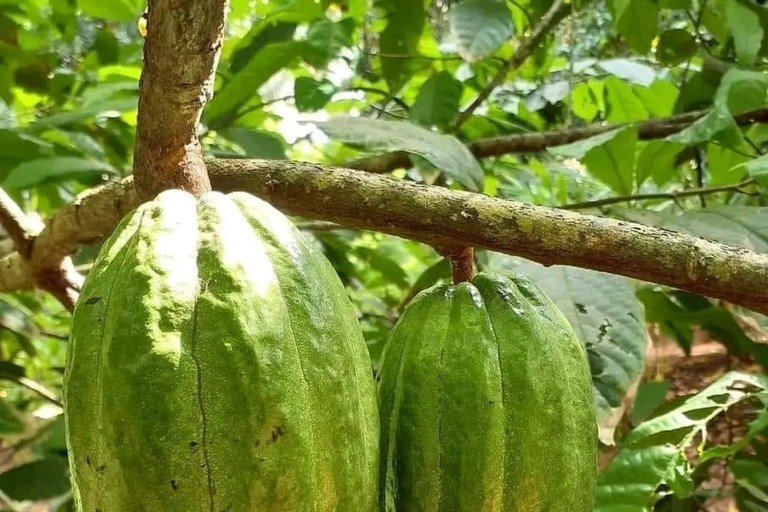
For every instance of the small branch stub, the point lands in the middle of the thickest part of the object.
(462, 262)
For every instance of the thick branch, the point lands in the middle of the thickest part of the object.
(559, 10)
(443, 217)
(60, 278)
(541, 141)
(17, 224)
(181, 53)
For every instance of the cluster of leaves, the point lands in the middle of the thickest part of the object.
(335, 81)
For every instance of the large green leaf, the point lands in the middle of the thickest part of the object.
(653, 454)
(657, 161)
(609, 320)
(245, 84)
(36, 481)
(679, 313)
(89, 112)
(746, 30)
(613, 163)
(445, 152)
(10, 423)
(479, 27)
(438, 100)
(742, 226)
(622, 103)
(114, 10)
(743, 90)
(400, 39)
(675, 46)
(609, 156)
(33, 173)
(637, 21)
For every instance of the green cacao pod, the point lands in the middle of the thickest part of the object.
(486, 404)
(216, 364)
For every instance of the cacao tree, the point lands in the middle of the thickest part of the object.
(612, 152)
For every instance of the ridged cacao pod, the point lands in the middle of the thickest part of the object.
(217, 365)
(486, 404)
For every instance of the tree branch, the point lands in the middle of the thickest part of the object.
(541, 141)
(443, 217)
(60, 278)
(181, 51)
(559, 10)
(738, 187)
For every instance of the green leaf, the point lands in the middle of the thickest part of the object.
(312, 95)
(741, 226)
(10, 423)
(637, 21)
(717, 124)
(20, 146)
(245, 84)
(107, 47)
(89, 112)
(746, 30)
(742, 90)
(650, 395)
(258, 144)
(679, 313)
(36, 481)
(659, 98)
(580, 148)
(480, 27)
(445, 152)
(613, 163)
(33, 173)
(295, 11)
(405, 24)
(608, 319)
(724, 164)
(657, 161)
(438, 100)
(622, 103)
(675, 46)
(583, 102)
(653, 454)
(259, 36)
(629, 70)
(326, 39)
(758, 169)
(114, 10)
(16, 320)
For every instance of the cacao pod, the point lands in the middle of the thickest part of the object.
(486, 404)
(216, 364)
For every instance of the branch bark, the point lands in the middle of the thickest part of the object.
(181, 52)
(541, 141)
(22, 270)
(445, 218)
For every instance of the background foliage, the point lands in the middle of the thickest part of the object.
(331, 82)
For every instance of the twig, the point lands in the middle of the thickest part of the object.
(662, 195)
(541, 141)
(559, 10)
(34, 386)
